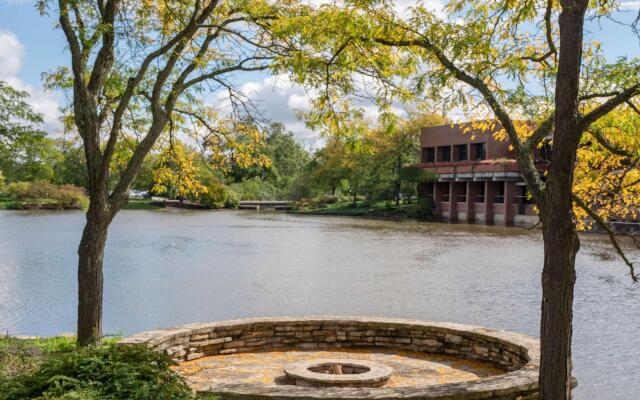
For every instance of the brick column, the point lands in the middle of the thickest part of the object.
(489, 194)
(509, 193)
(472, 192)
(453, 204)
(437, 210)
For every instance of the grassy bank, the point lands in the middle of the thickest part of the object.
(55, 369)
(9, 204)
(144, 204)
(366, 209)
(6, 203)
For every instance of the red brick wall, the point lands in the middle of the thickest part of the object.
(452, 135)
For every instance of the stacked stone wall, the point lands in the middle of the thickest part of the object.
(512, 352)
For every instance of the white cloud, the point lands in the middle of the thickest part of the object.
(630, 5)
(279, 100)
(11, 55)
(11, 61)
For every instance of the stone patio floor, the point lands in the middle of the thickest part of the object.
(266, 368)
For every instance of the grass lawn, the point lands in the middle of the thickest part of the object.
(144, 204)
(366, 209)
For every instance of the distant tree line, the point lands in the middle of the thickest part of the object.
(364, 163)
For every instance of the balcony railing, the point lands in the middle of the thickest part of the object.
(461, 198)
(479, 198)
(444, 198)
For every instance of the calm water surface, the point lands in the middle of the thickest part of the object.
(164, 268)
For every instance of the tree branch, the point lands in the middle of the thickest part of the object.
(238, 67)
(104, 59)
(134, 81)
(613, 148)
(633, 106)
(610, 233)
(606, 107)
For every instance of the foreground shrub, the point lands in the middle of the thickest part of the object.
(19, 356)
(106, 372)
(45, 195)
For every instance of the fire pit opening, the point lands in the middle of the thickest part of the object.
(339, 369)
(338, 372)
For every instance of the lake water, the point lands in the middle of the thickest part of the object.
(169, 267)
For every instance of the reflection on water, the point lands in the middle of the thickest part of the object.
(164, 268)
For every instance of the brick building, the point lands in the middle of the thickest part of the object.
(478, 179)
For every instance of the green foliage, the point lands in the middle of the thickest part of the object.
(417, 174)
(288, 157)
(369, 161)
(45, 195)
(424, 207)
(19, 124)
(286, 166)
(106, 372)
(71, 168)
(219, 196)
(255, 189)
(25, 151)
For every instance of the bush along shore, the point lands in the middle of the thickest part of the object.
(41, 195)
(55, 369)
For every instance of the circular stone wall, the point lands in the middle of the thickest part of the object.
(517, 355)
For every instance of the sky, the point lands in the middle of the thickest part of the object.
(30, 45)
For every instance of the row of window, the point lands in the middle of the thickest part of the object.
(480, 198)
(523, 196)
(461, 152)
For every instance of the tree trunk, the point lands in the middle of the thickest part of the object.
(561, 241)
(90, 280)
(561, 244)
(398, 183)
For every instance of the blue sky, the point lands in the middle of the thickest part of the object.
(30, 45)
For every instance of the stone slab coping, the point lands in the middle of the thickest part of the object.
(521, 383)
(377, 373)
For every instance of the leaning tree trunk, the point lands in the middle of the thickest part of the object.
(90, 280)
(561, 241)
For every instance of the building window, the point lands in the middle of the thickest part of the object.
(479, 151)
(480, 196)
(499, 198)
(461, 152)
(428, 154)
(445, 154)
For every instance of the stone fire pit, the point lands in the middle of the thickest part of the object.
(337, 373)
(380, 358)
